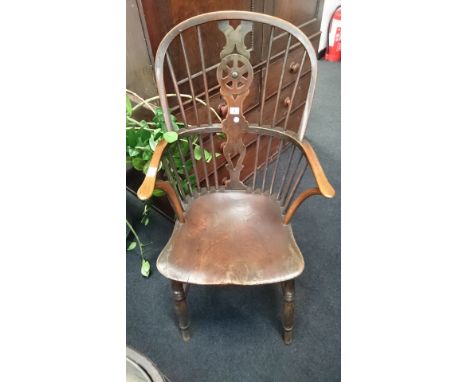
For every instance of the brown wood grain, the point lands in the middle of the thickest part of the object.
(298, 201)
(324, 185)
(222, 244)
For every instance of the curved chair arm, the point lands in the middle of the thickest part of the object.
(149, 184)
(298, 201)
(173, 199)
(324, 187)
(147, 187)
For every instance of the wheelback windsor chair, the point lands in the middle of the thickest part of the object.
(233, 232)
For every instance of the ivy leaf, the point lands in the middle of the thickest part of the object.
(132, 246)
(146, 220)
(177, 161)
(144, 135)
(129, 106)
(145, 267)
(138, 163)
(133, 152)
(157, 121)
(147, 154)
(184, 146)
(189, 165)
(158, 118)
(174, 123)
(208, 156)
(185, 186)
(152, 142)
(197, 152)
(158, 111)
(170, 136)
(157, 132)
(158, 193)
(131, 138)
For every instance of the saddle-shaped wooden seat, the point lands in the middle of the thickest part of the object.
(232, 237)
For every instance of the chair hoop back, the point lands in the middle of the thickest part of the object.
(222, 16)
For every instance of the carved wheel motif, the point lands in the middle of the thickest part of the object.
(235, 74)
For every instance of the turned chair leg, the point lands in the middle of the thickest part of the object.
(288, 310)
(180, 301)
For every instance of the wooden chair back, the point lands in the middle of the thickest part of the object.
(211, 149)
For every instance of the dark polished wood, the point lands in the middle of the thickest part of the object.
(296, 203)
(288, 310)
(181, 308)
(231, 237)
(173, 199)
(231, 232)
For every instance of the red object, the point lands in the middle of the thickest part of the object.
(333, 52)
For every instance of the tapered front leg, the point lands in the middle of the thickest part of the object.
(288, 310)
(181, 308)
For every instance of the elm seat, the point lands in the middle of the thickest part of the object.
(232, 237)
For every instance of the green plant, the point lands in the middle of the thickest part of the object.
(142, 137)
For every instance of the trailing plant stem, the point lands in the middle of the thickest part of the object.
(140, 246)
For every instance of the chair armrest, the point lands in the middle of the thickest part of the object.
(147, 187)
(173, 199)
(298, 201)
(324, 185)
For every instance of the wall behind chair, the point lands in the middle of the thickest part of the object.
(140, 76)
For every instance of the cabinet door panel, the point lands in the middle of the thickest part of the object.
(305, 14)
(296, 12)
